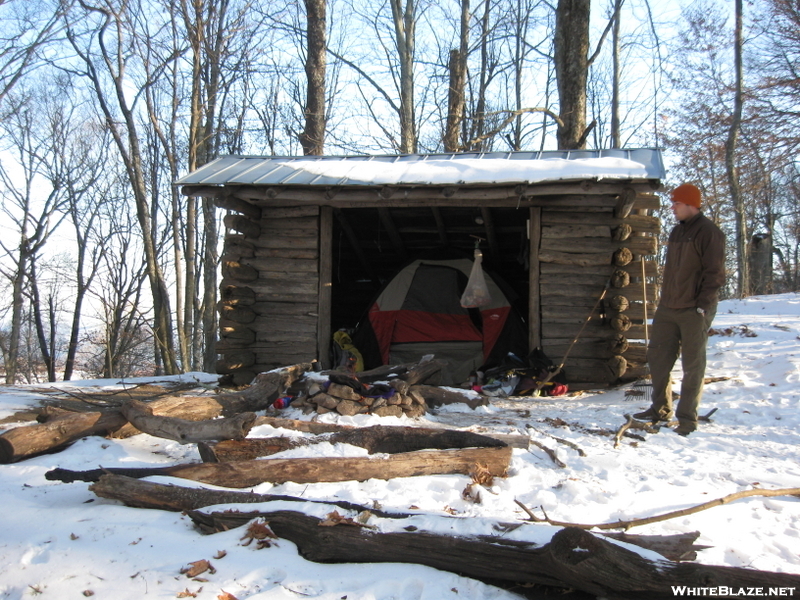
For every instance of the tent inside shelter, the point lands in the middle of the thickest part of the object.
(399, 274)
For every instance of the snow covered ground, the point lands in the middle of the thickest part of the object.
(60, 541)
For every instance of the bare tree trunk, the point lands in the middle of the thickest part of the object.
(572, 68)
(521, 31)
(38, 320)
(404, 26)
(17, 304)
(479, 126)
(127, 140)
(313, 136)
(458, 78)
(615, 122)
(742, 263)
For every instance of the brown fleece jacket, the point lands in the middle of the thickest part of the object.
(695, 268)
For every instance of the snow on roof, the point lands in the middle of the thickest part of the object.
(431, 169)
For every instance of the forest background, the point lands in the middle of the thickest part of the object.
(108, 271)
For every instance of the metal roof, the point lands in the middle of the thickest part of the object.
(430, 169)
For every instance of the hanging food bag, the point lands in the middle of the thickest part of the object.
(476, 294)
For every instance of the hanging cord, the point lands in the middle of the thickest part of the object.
(560, 367)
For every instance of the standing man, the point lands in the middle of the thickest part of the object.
(693, 274)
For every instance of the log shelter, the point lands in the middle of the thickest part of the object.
(310, 240)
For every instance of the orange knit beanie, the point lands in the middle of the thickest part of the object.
(686, 194)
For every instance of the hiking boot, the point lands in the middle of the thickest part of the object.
(652, 415)
(685, 429)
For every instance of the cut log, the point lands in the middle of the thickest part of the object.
(622, 232)
(28, 441)
(243, 225)
(622, 257)
(237, 247)
(234, 359)
(625, 203)
(264, 390)
(620, 278)
(574, 558)
(637, 245)
(380, 439)
(232, 332)
(381, 373)
(238, 271)
(146, 494)
(248, 473)
(242, 206)
(436, 396)
(424, 372)
(515, 441)
(184, 431)
(583, 260)
(238, 295)
(677, 547)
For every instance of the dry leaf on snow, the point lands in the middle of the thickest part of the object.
(258, 530)
(334, 518)
(197, 567)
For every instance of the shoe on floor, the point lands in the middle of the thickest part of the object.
(652, 415)
(685, 429)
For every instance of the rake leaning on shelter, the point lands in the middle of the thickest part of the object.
(693, 274)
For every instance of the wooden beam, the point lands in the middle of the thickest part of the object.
(325, 285)
(435, 195)
(248, 209)
(394, 236)
(534, 275)
(625, 203)
(488, 226)
(440, 225)
(244, 225)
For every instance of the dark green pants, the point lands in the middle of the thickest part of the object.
(679, 332)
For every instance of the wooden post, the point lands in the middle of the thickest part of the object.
(325, 285)
(534, 297)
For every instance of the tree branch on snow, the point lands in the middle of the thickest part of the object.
(667, 516)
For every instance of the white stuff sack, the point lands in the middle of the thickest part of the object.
(476, 294)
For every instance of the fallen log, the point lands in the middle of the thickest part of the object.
(677, 547)
(574, 558)
(436, 396)
(513, 440)
(57, 433)
(380, 439)
(248, 473)
(146, 494)
(185, 431)
(264, 390)
(428, 371)
(65, 428)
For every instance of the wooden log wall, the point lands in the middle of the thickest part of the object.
(269, 291)
(582, 250)
(585, 234)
